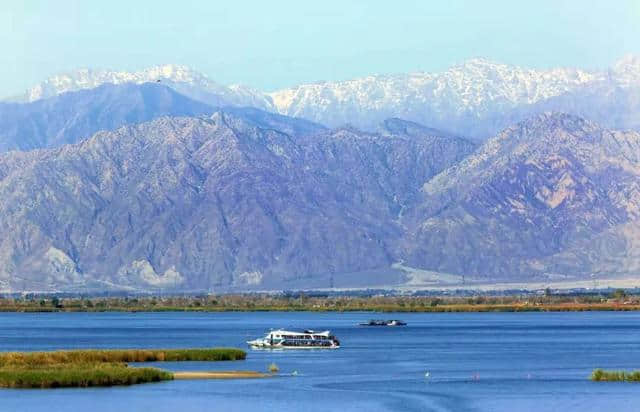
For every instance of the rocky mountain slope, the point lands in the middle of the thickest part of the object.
(554, 197)
(72, 116)
(238, 200)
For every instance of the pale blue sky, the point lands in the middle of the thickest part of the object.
(272, 44)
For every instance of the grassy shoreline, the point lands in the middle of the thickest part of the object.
(86, 368)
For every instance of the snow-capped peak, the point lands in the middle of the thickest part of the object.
(628, 62)
(475, 98)
(466, 92)
(627, 69)
(89, 78)
(182, 78)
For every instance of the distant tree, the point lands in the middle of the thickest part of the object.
(55, 302)
(619, 294)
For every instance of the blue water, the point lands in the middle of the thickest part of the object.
(476, 362)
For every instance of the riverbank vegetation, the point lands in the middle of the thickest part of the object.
(614, 301)
(84, 368)
(119, 355)
(78, 375)
(600, 375)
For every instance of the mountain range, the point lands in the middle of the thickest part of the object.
(181, 78)
(113, 180)
(213, 202)
(74, 116)
(477, 98)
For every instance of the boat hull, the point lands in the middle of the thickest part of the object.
(278, 347)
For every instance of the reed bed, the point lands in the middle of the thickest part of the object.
(84, 368)
(119, 355)
(600, 375)
(78, 375)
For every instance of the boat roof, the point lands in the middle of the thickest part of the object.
(306, 332)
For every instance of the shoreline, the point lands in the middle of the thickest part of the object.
(189, 375)
(547, 301)
(379, 309)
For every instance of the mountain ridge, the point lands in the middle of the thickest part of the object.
(476, 98)
(479, 97)
(182, 78)
(72, 116)
(239, 201)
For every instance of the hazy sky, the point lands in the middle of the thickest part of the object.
(271, 44)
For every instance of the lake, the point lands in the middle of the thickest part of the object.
(475, 361)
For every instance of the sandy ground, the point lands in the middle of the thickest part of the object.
(219, 375)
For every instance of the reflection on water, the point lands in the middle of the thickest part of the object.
(439, 362)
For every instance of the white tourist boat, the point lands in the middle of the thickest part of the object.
(284, 339)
